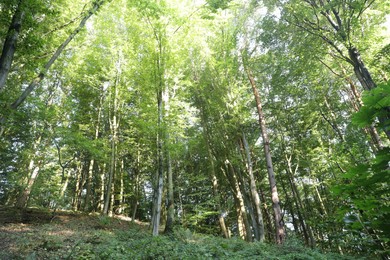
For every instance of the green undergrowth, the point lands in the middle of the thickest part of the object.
(75, 236)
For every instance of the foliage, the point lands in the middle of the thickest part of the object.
(366, 186)
(376, 105)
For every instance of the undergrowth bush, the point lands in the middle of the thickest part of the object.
(106, 238)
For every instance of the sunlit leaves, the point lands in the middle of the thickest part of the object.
(376, 104)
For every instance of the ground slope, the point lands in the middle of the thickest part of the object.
(39, 234)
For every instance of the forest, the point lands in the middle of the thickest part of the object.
(265, 121)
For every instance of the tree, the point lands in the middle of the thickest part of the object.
(338, 26)
(279, 225)
(95, 6)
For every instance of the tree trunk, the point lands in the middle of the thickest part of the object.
(246, 231)
(114, 124)
(157, 213)
(360, 69)
(290, 206)
(78, 188)
(33, 170)
(160, 175)
(160, 72)
(221, 217)
(24, 197)
(367, 82)
(371, 130)
(64, 175)
(307, 210)
(254, 193)
(170, 198)
(136, 186)
(102, 188)
(9, 47)
(307, 233)
(170, 206)
(298, 204)
(121, 199)
(89, 185)
(279, 226)
(107, 199)
(214, 179)
(266, 213)
(87, 205)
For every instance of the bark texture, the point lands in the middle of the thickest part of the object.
(9, 47)
(279, 225)
(254, 193)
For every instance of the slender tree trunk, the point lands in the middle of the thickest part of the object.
(306, 211)
(307, 233)
(240, 221)
(242, 183)
(9, 47)
(88, 201)
(112, 199)
(246, 231)
(109, 189)
(290, 207)
(325, 212)
(135, 203)
(160, 175)
(107, 199)
(159, 77)
(78, 187)
(64, 174)
(114, 123)
(102, 188)
(333, 121)
(214, 179)
(254, 193)
(65, 183)
(170, 206)
(221, 218)
(24, 197)
(353, 56)
(266, 213)
(136, 186)
(33, 170)
(170, 198)
(89, 185)
(157, 213)
(279, 226)
(121, 205)
(298, 204)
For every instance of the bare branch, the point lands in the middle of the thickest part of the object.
(329, 68)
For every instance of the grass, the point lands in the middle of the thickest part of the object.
(38, 234)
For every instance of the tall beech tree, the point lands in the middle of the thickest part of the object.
(279, 224)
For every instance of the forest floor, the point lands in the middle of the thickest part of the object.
(40, 234)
